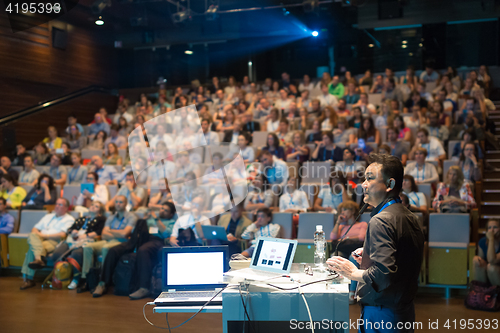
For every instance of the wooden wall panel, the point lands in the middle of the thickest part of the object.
(31, 71)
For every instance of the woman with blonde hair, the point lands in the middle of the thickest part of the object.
(328, 119)
(298, 151)
(112, 157)
(454, 195)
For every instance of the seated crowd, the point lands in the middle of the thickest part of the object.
(333, 121)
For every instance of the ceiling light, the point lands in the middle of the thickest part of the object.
(420, 44)
(188, 52)
(405, 42)
(181, 16)
(99, 21)
(404, 46)
(315, 33)
(250, 63)
(371, 45)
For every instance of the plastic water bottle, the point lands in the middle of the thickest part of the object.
(319, 253)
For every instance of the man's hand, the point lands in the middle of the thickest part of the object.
(174, 242)
(490, 236)
(231, 238)
(359, 252)
(129, 185)
(153, 215)
(87, 194)
(328, 209)
(342, 266)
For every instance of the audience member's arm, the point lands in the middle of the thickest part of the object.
(122, 233)
(106, 234)
(111, 203)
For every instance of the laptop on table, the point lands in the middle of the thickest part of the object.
(272, 258)
(212, 232)
(192, 275)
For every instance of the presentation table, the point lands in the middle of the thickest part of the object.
(271, 309)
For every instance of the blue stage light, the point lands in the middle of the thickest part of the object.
(315, 33)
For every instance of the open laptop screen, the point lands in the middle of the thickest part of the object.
(272, 255)
(194, 268)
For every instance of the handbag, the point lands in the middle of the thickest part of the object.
(483, 296)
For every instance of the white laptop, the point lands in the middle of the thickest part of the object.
(214, 232)
(192, 275)
(272, 258)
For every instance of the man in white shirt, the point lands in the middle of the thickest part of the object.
(122, 112)
(293, 200)
(435, 150)
(283, 103)
(44, 237)
(211, 138)
(326, 98)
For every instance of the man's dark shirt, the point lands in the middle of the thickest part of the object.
(392, 257)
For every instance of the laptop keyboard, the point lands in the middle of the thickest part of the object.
(191, 294)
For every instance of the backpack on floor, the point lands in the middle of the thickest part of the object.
(156, 282)
(62, 275)
(483, 296)
(124, 273)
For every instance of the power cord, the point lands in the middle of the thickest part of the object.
(168, 324)
(245, 308)
(306, 284)
(308, 310)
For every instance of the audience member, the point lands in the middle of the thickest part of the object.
(397, 148)
(243, 148)
(107, 173)
(273, 122)
(7, 169)
(293, 200)
(423, 172)
(273, 146)
(315, 136)
(435, 129)
(43, 239)
(86, 229)
(469, 163)
(404, 132)
(57, 171)
(259, 197)
(97, 142)
(21, 153)
(117, 229)
(329, 198)
(53, 142)
(486, 264)
(160, 229)
(353, 234)
(435, 150)
(235, 224)
(274, 169)
(10, 191)
(429, 75)
(185, 230)
(42, 156)
(211, 138)
(136, 195)
(336, 88)
(263, 227)
(378, 85)
(6, 220)
(100, 193)
(44, 193)
(350, 169)
(297, 151)
(416, 199)
(30, 175)
(454, 195)
(326, 150)
(78, 172)
(368, 132)
(99, 124)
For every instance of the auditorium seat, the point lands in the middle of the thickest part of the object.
(285, 222)
(4, 242)
(18, 245)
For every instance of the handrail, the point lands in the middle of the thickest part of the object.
(55, 101)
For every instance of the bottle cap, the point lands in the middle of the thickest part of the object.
(319, 228)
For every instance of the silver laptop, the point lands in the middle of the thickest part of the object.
(272, 258)
(192, 275)
(214, 232)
